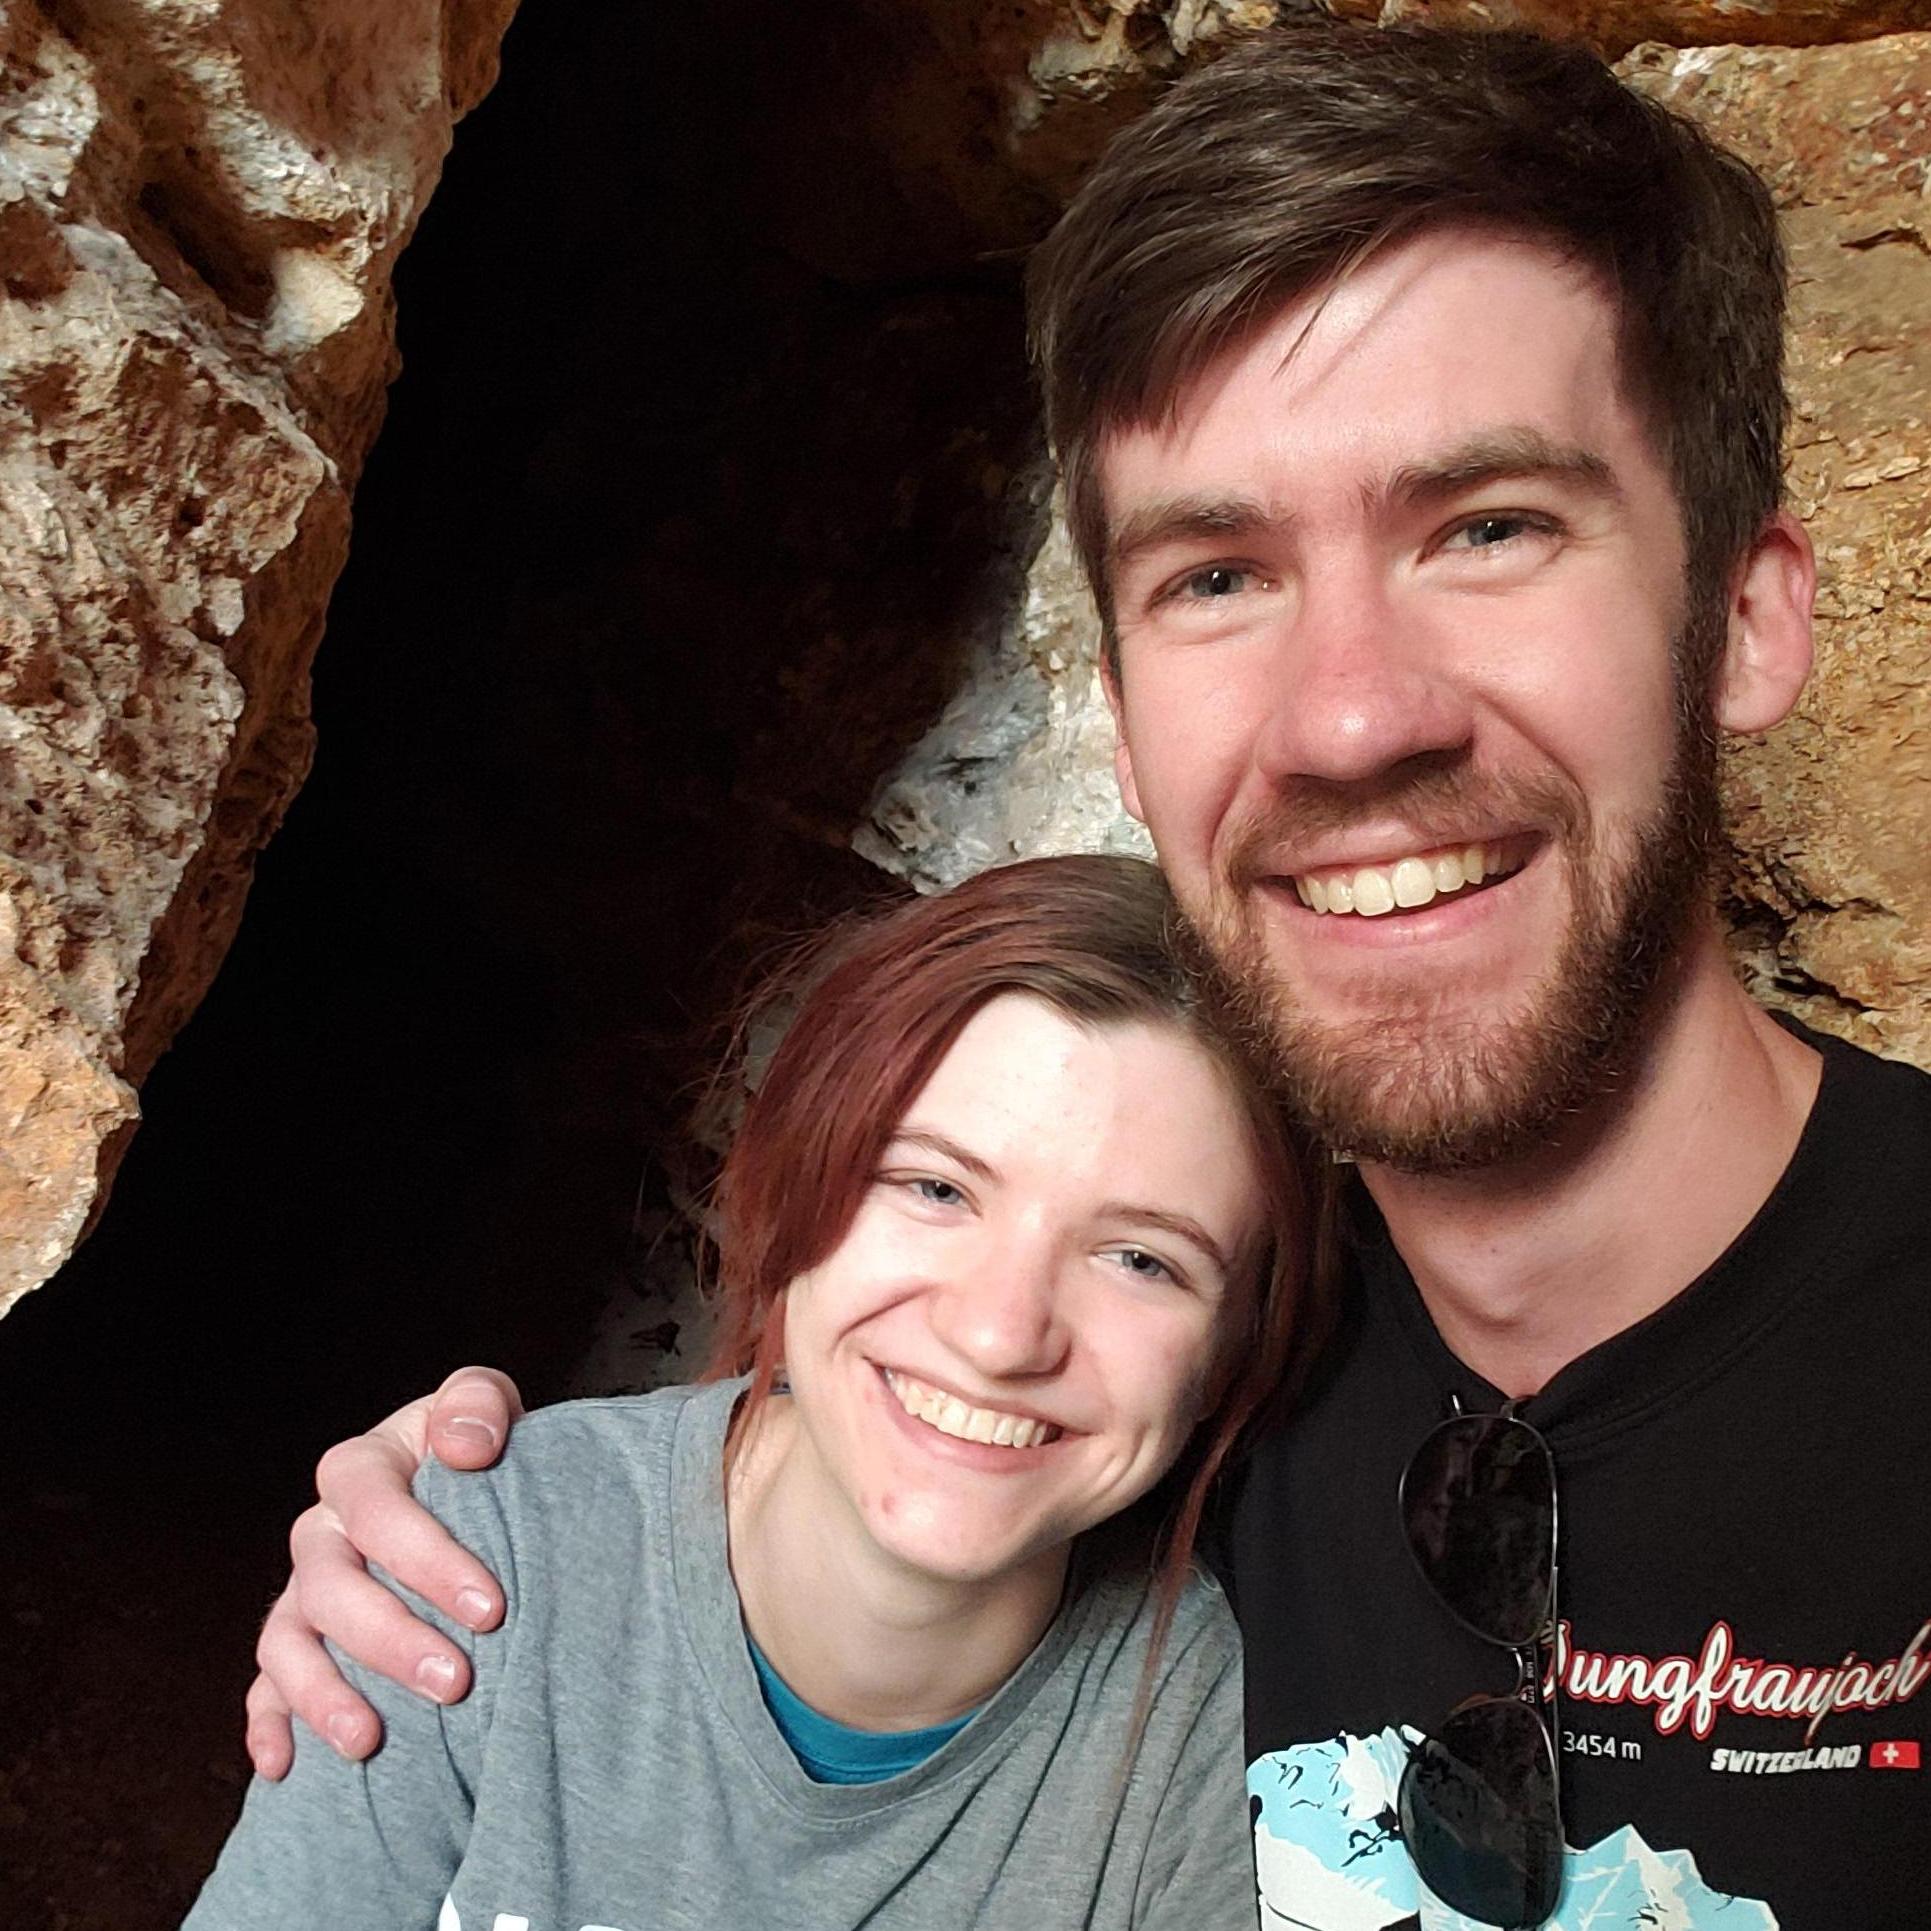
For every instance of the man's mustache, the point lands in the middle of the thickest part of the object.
(1435, 803)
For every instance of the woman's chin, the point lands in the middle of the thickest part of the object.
(937, 1544)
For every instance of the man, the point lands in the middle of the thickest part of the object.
(1419, 404)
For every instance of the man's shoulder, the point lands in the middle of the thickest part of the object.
(1880, 1068)
(1874, 1113)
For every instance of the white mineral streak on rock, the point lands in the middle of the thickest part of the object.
(200, 206)
(1021, 763)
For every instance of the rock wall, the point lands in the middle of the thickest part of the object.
(200, 207)
(1829, 894)
(1830, 889)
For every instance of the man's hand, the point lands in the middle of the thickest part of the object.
(367, 1514)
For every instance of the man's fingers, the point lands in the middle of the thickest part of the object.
(367, 1504)
(470, 1415)
(299, 1675)
(271, 1742)
(332, 1595)
(367, 1511)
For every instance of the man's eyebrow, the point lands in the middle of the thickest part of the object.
(1182, 519)
(1501, 456)
(1182, 1226)
(945, 1149)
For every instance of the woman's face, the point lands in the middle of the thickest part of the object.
(1023, 1323)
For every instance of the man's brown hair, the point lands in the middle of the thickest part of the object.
(1267, 175)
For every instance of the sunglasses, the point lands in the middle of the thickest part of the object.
(1479, 1804)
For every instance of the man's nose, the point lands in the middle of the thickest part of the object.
(1002, 1312)
(1360, 682)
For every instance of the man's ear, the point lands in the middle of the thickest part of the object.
(1122, 756)
(1767, 653)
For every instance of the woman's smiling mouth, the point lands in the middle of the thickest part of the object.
(951, 1416)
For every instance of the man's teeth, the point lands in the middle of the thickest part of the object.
(951, 1416)
(1372, 890)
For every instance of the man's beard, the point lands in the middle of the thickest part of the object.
(1415, 1086)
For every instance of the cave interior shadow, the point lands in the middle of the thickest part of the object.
(683, 524)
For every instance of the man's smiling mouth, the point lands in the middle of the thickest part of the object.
(951, 1416)
(1408, 883)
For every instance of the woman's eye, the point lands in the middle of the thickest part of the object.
(941, 1193)
(1136, 1260)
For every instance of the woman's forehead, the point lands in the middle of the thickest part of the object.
(1035, 1095)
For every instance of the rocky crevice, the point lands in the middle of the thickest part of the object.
(199, 214)
(200, 211)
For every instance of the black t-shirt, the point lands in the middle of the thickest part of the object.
(1742, 1484)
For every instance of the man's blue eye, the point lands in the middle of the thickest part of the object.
(1487, 531)
(1222, 580)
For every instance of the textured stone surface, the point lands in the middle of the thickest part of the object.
(200, 206)
(1617, 25)
(1021, 763)
(994, 99)
(1830, 894)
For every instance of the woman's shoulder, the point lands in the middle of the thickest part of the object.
(1204, 1619)
(1202, 1640)
(578, 1458)
(618, 1425)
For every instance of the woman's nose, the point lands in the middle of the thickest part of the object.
(1002, 1311)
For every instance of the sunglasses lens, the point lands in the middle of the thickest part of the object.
(1479, 1505)
(1478, 1814)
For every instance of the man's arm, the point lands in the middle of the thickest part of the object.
(367, 1513)
(377, 1843)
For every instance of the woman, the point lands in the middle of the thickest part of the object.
(898, 1625)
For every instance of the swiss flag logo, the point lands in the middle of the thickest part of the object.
(1894, 1756)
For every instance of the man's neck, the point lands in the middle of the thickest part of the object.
(1528, 1265)
(860, 1637)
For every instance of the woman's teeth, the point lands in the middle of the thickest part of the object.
(1371, 890)
(950, 1416)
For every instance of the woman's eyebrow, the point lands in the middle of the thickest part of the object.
(946, 1149)
(1182, 1226)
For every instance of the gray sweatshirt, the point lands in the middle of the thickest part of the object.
(615, 1768)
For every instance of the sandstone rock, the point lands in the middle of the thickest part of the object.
(990, 99)
(1614, 26)
(200, 207)
(1068, 75)
(1830, 893)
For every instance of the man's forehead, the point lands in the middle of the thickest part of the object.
(1433, 346)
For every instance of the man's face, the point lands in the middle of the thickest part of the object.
(1396, 593)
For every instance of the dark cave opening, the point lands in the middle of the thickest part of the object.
(692, 497)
